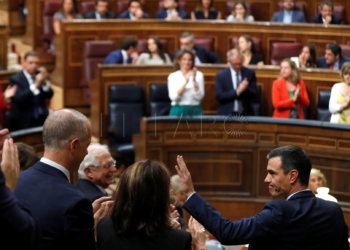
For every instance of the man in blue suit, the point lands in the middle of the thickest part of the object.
(326, 14)
(289, 14)
(333, 58)
(127, 53)
(18, 230)
(302, 221)
(100, 12)
(236, 87)
(96, 172)
(135, 11)
(171, 11)
(64, 215)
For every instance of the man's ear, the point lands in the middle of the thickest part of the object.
(88, 173)
(293, 176)
(73, 145)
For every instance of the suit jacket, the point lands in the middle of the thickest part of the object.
(126, 15)
(297, 16)
(302, 222)
(115, 57)
(18, 227)
(170, 239)
(89, 190)
(283, 103)
(226, 95)
(204, 55)
(162, 14)
(22, 105)
(92, 15)
(64, 215)
(318, 19)
(321, 62)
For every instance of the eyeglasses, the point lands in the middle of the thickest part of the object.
(108, 164)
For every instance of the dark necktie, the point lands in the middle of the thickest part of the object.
(129, 60)
(36, 113)
(240, 106)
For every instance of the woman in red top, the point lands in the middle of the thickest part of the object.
(289, 93)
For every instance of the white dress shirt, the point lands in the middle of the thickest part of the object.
(235, 84)
(125, 57)
(287, 16)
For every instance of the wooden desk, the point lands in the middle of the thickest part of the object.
(229, 171)
(3, 45)
(315, 80)
(68, 72)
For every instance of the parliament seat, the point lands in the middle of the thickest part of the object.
(298, 6)
(159, 101)
(256, 43)
(87, 7)
(230, 5)
(280, 51)
(339, 11)
(142, 45)
(49, 9)
(207, 43)
(345, 50)
(323, 113)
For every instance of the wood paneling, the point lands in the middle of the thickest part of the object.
(3, 45)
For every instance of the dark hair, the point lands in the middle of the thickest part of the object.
(241, 2)
(326, 2)
(128, 42)
(74, 10)
(345, 69)
(142, 199)
(180, 54)
(335, 48)
(199, 6)
(137, 1)
(311, 63)
(26, 155)
(293, 157)
(248, 38)
(96, 2)
(30, 53)
(160, 49)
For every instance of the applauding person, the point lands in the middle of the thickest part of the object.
(240, 13)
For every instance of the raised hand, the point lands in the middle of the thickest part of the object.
(10, 163)
(185, 176)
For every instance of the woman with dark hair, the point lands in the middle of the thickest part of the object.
(246, 46)
(155, 53)
(185, 86)
(306, 58)
(68, 11)
(240, 13)
(205, 10)
(289, 94)
(140, 217)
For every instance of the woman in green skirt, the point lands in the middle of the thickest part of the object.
(185, 86)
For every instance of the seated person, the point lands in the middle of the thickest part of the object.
(100, 12)
(127, 54)
(134, 11)
(339, 102)
(289, 93)
(185, 86)
(29, 103)
(175, 186)
(317, 179)
(246, 46)
(68, 11)
(171, 11)
(289, 14)
(26, 155)
(306, 58)
(201, 54)
(326, 14)
(205, 10)
(240, 13)
(96, 172)
(235, 86)
(332, 58)
(155, 53)
(5, 102)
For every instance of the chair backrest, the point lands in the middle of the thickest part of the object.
(207, 43)
(121, 7)
(125, 110)
(280, 51)
(87, 7)
(49, 9)
(230, 5)
(142, 45)
(159, 102)
(182, 5)
(323, 113)
(345, 49)
(94, 53)
(297, 6)
(256, 43)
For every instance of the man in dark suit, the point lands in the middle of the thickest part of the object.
(28, 105)
(171, 11)
(201, 54)
(127, 53)
(326, 14)
(333, 58)
(100, 12)
(236, 87)
(96, 172)
(64, 215)
(135, 11)
(289, 14)
(18, 229)
(302, 221)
